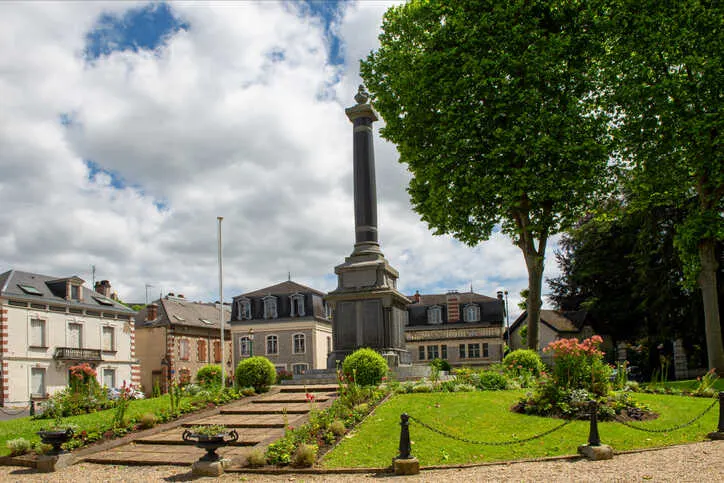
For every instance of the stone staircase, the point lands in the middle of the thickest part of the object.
(259, 420)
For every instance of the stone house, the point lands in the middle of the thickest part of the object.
(48, 324)
(176, 337)
(554, 324)
(288, 323)
(466, 329)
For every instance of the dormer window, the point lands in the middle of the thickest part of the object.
(244, 307)
(297, 303)
(270, 307)
(471, 313)
(75, 292)
(434, 315)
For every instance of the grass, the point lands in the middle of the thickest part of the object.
(94, 422)
(486, 416)
(688, 385)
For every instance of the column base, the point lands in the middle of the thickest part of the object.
(718, 435)
(596, 453)
(410, 466)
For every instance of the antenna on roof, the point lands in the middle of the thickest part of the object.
(289, 274)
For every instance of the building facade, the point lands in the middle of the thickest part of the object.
(176, 337)
(48, 324)
(288, 323)
(554, 325)
(465, 329)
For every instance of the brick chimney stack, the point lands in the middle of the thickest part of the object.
(151, 312)
(103, 287)
(453, 309)
(416, 297)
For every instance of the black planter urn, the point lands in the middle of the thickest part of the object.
(210, 442)
(55, 438)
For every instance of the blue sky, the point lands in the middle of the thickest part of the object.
(128, 129)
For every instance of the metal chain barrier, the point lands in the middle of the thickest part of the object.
(489, 443)
(673, 428)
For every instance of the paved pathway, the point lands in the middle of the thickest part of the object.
(258, 420)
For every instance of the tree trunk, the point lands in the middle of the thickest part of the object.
(534, 263)
(712, 323)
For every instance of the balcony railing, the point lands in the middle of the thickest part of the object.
(75, 354)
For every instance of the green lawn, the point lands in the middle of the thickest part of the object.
(99, 422)
(691, 384)
(486, 416)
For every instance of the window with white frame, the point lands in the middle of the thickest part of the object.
(184, 350)
(108, 339)
(109, 377)
(270, 307)
(299, 344)
(272, 344)
(432, 352)
(245, 346)
(37, 333)
(471, 313)
(244, 306)
(297, 303)
(473, 351)
(37, 381)
(434, 315)
(75, 335)
(299, 369)
(461, 354)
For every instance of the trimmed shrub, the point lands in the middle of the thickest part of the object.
(523, 362)
(337, 427)
(367, 367)
(305, 456)
(148, 420)
(441, 364)
(492, 381)
(257, 372)
(209, 376)
(18, 446)
(256, 458)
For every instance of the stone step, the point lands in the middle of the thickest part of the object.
(291, 398)
(312, 387)
(247, 420)
(180, 455)
(269, 408)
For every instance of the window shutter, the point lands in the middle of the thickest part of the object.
(217, 351)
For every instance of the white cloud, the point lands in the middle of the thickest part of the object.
(241, 116)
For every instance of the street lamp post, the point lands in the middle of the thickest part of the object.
(221, 309)
(507, 317)
(251, 342)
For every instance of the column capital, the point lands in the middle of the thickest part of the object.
(361, 111)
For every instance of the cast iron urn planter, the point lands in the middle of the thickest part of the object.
(210, 442)
(55, 438)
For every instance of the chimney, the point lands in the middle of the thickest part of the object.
(416, 297)
(151, 312)
(453, 309)
(103, 287)
(500, 295)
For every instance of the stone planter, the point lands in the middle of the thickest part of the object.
(55, 438)
(210, 442)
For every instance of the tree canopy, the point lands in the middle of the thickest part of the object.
(664, 67)
(491, 107)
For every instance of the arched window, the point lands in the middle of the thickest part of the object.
(471, 313)
(297, 303)
(272, 344)
(299, 344)
(270, 307)
(434, 315)
(244, 307)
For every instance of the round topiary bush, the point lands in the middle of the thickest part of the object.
(209, 376)
(523, 361)
(367, 366)
(492, 381)
(257, 372)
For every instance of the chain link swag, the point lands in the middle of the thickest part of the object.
(489, 443)
(673, 428)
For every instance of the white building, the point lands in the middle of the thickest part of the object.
(49, 324)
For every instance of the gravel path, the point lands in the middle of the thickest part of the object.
(700, 462)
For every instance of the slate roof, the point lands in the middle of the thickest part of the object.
(558, 320)
(176, 311)
(52, 290)
(284, 288)
(491, 310)
(441, 299)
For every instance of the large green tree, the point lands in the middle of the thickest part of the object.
(489, 104)
(666, 82)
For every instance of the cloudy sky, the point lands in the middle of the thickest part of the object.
(127, 128)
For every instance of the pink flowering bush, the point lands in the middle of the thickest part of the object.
(580, 365)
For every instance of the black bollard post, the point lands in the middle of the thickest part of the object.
(32, 407)
(404, 437)
(593, 438)
(719, 433)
